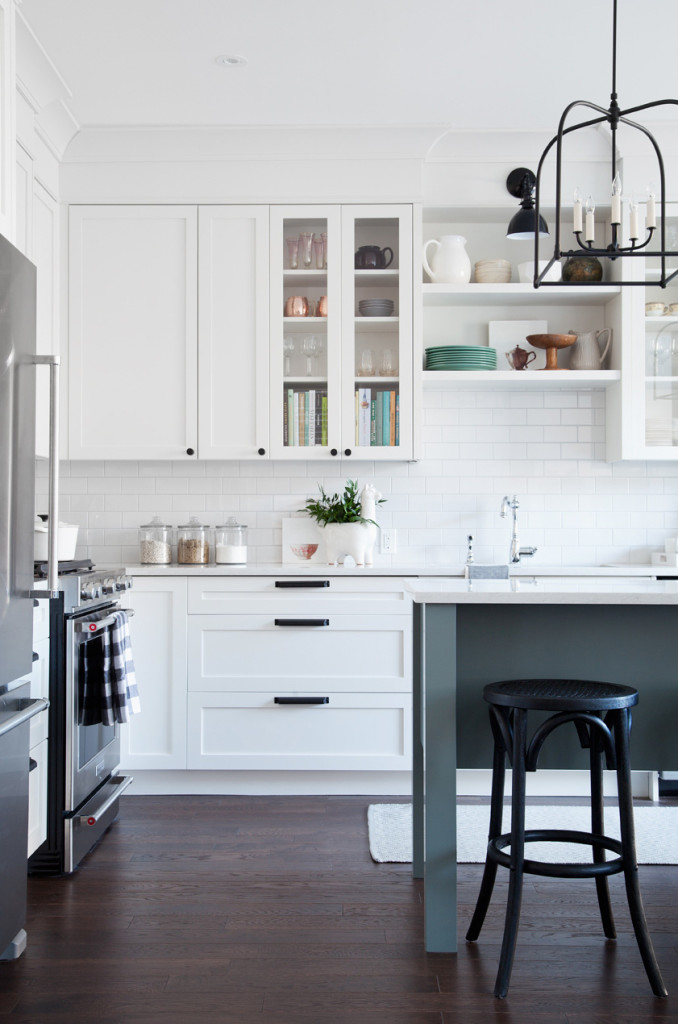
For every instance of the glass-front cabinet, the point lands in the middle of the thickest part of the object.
(341, 332)
(648, 398)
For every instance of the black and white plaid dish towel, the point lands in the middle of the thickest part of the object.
(119, 676)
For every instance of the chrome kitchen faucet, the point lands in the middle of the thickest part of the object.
(515, 551)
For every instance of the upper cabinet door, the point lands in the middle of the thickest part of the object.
(133, 332)
(233, 407)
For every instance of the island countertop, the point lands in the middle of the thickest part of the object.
(515, 591)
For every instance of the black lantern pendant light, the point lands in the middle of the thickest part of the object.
(635, 246)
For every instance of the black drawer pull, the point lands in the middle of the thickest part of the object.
(32, 764)
(301, 700)
(302, 622)
(289, 584)
(36, 657)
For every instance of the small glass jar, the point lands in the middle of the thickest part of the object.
(193, 546)
(231, 543)
(155, 543)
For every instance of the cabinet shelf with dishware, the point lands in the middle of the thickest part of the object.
(349, 331)
(644, 424)
(492, 307)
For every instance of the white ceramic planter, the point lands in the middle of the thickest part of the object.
(354, 539)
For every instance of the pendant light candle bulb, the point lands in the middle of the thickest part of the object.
(650, 211)
(633, 222)
(590, 223)
(576, 210)
(616, 200)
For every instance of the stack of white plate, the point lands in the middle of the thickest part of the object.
(493, 271)
(375, 307)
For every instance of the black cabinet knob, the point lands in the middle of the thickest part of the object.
(261, 451)
(333, 451)
(190, 451)
(347, 451)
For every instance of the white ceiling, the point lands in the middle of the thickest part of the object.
(476, 64)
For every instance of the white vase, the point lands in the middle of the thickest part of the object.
(354, 539)
(450, 263)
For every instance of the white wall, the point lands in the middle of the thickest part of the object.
(547, 447)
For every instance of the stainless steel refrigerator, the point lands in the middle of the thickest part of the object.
(17, 507)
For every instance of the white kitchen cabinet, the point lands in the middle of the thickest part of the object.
(39, 731)
(233, 394)
(169, 320)
(643, 407)
(133, 332)
(326, 365)
(37, 236)
(156, 737)
(344, 644)
(7, 117)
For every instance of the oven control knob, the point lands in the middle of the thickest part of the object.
(87, 592)
(108, 586)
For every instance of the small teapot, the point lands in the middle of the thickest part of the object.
(519, 358)
(585, 353)
(371, 257)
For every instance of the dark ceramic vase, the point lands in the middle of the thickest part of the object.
(583, 269)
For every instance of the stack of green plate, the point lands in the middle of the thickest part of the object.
(461, 357)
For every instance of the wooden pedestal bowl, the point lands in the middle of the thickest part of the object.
(551, 343)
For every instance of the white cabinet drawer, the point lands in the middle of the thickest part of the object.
(351, 731)
(240, 595)
(37, 797)
(354, 653)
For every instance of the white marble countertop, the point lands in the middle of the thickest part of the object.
(447, 571)
(593, 590)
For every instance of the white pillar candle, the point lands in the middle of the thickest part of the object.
(650, 213)
(590, 224)
(616, 217)
(576, 211)
(633, 221)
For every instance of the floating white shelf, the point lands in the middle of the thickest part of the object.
(376, 323)
(516, 294)
(537, 379)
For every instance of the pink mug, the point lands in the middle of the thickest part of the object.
(322, 306)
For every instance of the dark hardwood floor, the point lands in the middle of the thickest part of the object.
(269, 909)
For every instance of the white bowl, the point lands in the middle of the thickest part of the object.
(493, 276)
(526, 271)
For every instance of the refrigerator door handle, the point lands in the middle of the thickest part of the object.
(28, 710)
(53, 471)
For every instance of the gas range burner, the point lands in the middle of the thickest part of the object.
(77, 566)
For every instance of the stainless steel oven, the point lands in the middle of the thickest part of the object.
(84, 782)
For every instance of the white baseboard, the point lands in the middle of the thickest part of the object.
(470, 782)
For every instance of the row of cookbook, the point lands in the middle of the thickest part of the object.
(377, 417)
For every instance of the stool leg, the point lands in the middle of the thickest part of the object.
(515, 893)
(598, 827)
(622, 728)
(496, 809)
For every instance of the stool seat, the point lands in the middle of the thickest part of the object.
(601, 713)
(560, 695)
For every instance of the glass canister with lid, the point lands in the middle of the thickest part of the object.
(155, 542)
(231, 543)
(193, 546)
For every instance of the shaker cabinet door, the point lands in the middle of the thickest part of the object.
(133, 332)
(233, 396)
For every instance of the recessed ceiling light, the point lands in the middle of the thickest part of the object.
(230, 60)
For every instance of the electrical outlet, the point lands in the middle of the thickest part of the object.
(388, 544)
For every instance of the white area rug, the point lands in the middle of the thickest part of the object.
(390, 832)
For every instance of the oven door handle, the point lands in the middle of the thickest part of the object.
(96, 625)
(121, 784)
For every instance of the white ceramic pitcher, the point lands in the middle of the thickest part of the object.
(585, 353)
(451, 263)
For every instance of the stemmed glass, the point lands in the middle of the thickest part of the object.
(288, 349)
(311, 349)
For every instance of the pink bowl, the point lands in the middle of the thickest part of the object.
(304, 550)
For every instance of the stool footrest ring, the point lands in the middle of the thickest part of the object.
(495, 852)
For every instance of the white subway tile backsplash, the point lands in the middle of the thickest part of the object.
(546, 447)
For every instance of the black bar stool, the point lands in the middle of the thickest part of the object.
(601, 713)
